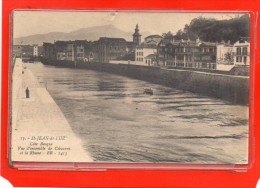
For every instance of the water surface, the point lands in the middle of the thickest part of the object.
(117, 122)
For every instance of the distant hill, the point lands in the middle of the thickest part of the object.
(91, 33)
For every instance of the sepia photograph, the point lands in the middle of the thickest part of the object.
(129, 87)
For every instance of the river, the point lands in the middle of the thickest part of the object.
(117, 122)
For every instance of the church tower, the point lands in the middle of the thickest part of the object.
(137, 36)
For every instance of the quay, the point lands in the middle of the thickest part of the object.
(39, 130)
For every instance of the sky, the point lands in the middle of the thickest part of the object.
(27, 23)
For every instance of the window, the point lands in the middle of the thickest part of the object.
(245, 51)
(239, 59)
(238, 51)
(244, 60)
(180, 57)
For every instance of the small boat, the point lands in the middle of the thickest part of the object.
(148, 91)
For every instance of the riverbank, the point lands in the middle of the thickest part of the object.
(234, 89)
(40, 132)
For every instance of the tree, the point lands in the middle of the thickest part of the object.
(229, 58)
(168, 36)
(212, 30)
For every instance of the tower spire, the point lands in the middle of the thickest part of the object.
(137, 36)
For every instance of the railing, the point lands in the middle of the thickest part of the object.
(198, 65)
(242, 54)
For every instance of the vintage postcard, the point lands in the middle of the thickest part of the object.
(129, 87)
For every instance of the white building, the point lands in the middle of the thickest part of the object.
(225, 54)
(242, 52)
(35, 51)
(150, 60)
(143, 51)
(224, 57)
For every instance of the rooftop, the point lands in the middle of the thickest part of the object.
(208, 44)
(145, 45)
(111, 40)
(153, 36)
(150, 56)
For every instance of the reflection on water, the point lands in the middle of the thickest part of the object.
(119, 123)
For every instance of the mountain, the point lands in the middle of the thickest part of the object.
(91, 33)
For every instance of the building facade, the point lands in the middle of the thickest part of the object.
(150, 60)
(208, 55)
(225, 54)
(79, 50)
(106, 49)
(242, 52)
(17, 50)
(35, 51)
(70, 51)
(60, 49)
(49, 51)
(142, 52)
(186, 53)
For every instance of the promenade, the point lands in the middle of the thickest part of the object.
(40, 132)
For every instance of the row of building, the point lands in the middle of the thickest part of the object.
(103, 50)
(27, 51)
(199, 54)
(153, 51)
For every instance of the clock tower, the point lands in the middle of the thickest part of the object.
(137, 36)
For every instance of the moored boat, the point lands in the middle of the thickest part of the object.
(148, 91)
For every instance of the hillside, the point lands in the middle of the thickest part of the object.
(91, 33)
(213, 30)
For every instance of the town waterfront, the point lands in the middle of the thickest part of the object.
(117, 122)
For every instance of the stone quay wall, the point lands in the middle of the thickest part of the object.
(234, 89)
